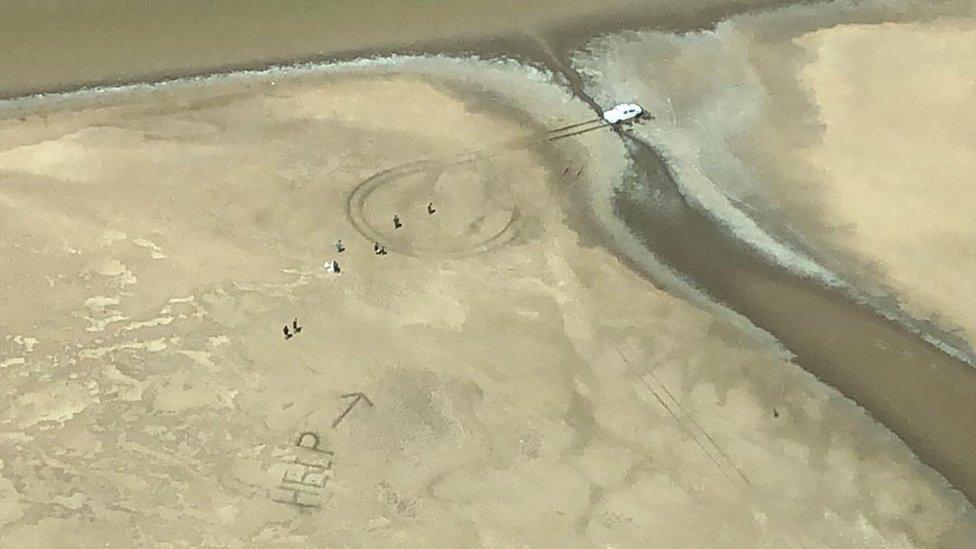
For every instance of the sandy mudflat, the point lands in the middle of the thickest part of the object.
(896, 162)
(526, 389)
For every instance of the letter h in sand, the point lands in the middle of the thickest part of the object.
(305, 475)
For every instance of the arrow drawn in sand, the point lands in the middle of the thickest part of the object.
(356, 397)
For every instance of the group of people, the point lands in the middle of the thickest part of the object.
(332, 265)
(295, 329)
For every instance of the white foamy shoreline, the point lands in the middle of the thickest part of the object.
(268, 74)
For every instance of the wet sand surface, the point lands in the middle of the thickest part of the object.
(895, 176)
(870, 360)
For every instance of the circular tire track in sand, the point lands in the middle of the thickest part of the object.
(491, 227)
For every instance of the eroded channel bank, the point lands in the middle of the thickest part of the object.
(65, 46)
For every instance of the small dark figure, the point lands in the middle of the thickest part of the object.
(775, 413)
(287, 335)
(295, 326)
(376, 247)
(335, 267)
(430, 208)
(382, 250)
(339, 247)
(396, 222)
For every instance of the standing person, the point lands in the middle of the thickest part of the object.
(396, 221)
(376, 247)
(430, 208)
(287, 335)
(339, 247)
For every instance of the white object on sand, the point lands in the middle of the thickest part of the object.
(622, 113)
(331, 266)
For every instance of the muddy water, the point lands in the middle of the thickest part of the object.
(51, 45)
(926, 397)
